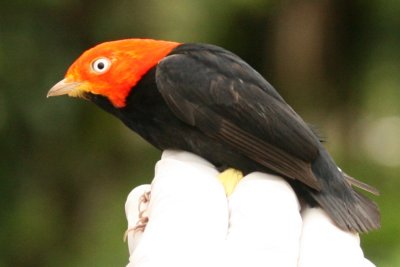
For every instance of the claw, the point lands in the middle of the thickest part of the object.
(143, 220)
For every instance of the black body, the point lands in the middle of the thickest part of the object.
(206, 100)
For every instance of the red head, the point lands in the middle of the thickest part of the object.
(111, 69)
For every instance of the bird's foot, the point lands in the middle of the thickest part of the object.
(229, 179)
(142, 206)
(143, 219)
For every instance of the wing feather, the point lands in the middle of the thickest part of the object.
(218, 93)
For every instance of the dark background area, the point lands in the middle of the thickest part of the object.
(66, 167)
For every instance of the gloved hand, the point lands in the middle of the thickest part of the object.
(193, 223)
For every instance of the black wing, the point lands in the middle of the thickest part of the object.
(217, 92)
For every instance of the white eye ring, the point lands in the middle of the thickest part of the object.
(101, 65)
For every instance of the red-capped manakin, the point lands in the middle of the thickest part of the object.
(206, 100)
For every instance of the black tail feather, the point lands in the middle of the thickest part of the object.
(359, 214)
(361, 185)
(350, 210)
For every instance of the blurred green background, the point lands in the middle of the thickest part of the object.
(66, 166)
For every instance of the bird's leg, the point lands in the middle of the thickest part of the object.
(143, 219)
(229, 179)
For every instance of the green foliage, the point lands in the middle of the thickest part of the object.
(66, 167)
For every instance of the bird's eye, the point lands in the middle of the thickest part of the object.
(101, 65)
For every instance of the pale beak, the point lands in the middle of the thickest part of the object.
(63, 87)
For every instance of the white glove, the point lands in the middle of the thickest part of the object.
(192, 223)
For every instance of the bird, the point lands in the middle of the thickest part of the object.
(204, 99)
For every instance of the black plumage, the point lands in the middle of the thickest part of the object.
(206, 100)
